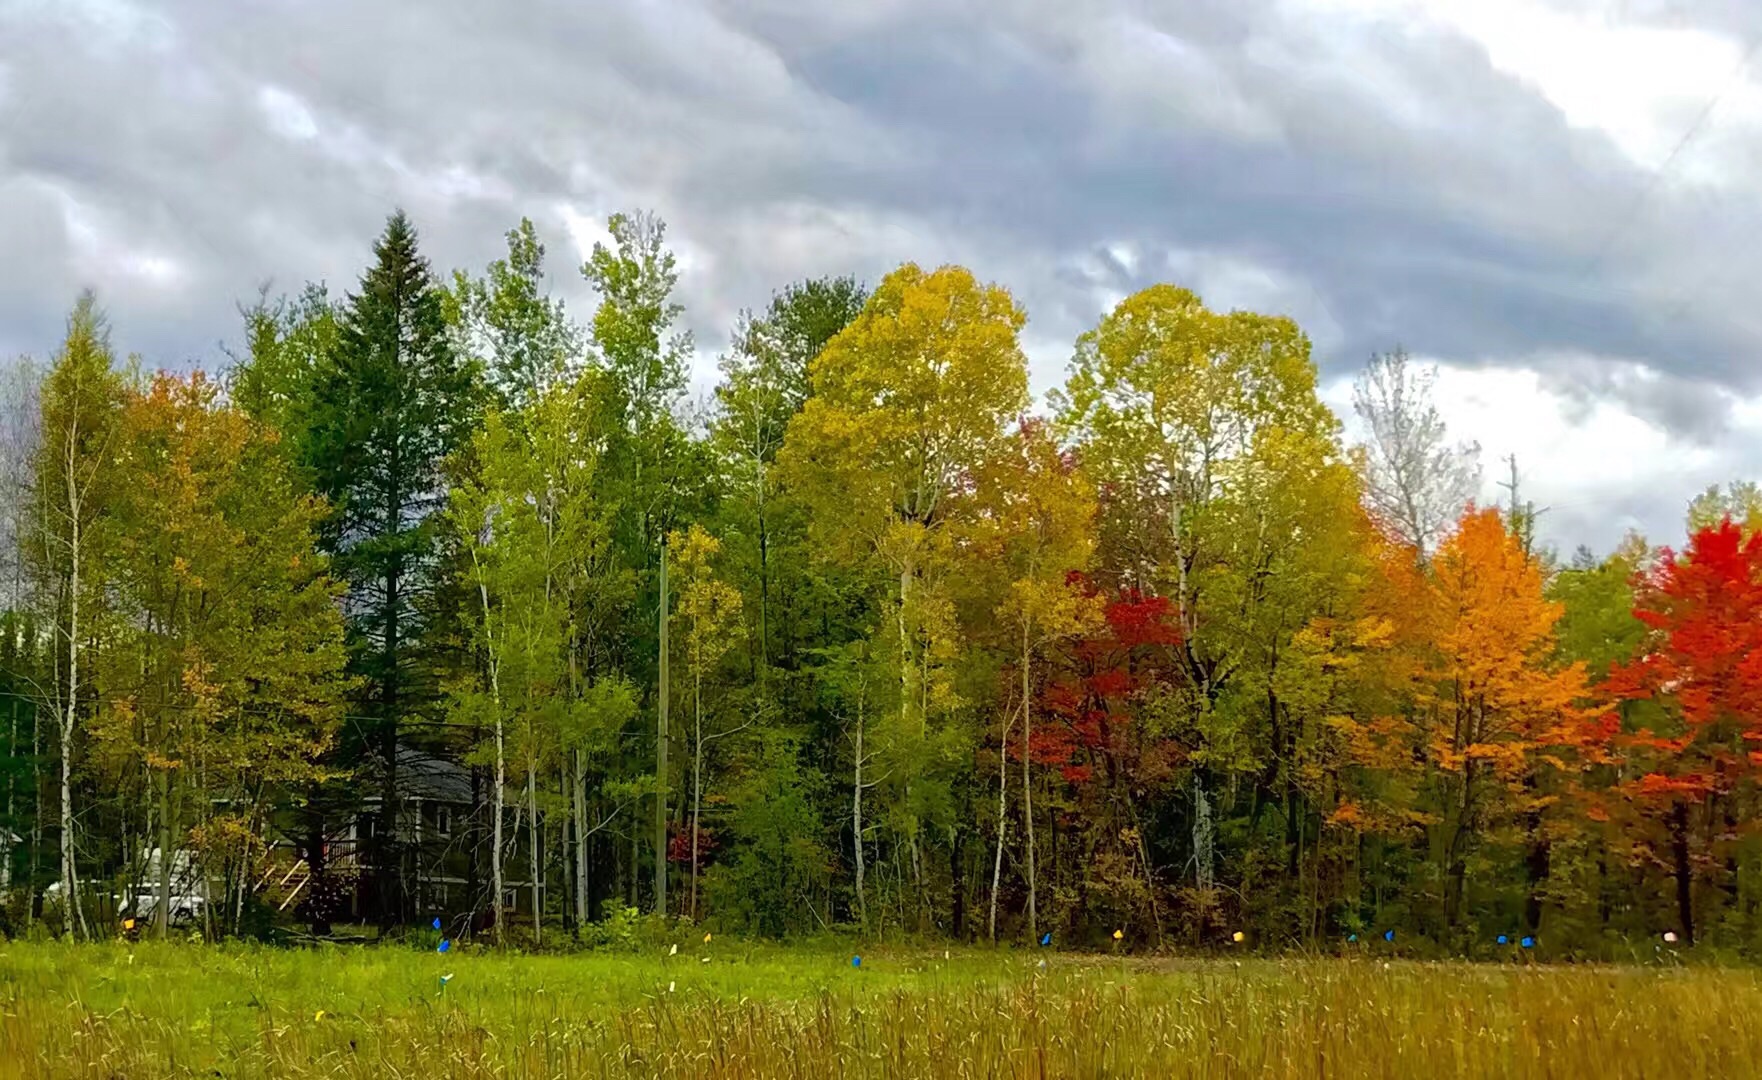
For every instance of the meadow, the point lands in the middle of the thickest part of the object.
(170, 1009)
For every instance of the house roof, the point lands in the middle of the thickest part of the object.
(423, 775)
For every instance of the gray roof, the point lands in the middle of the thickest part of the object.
(423, 775)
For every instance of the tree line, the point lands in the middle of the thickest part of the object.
(868, 639)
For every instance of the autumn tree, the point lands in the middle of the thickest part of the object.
(1740, 501)
(709, 611)
(222, 680)
(1502, 712)
(1693, 699)
(72, 484)
(1034, 527)
(907, 401)
(1217, 460)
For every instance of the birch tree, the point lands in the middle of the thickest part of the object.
(1416, 482)
(73, 485)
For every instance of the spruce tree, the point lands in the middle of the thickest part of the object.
(391, 401)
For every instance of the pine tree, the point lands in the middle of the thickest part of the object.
(391, 401)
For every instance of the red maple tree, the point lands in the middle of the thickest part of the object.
(1698, 735)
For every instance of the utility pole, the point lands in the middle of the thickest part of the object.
(1520, 516)
(661, 758)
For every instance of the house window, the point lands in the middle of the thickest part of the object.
(437, 818)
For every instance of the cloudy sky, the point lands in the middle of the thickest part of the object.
(1554, 200)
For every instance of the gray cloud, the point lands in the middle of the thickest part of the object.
(1381, 182)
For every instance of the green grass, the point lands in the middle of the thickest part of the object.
(152, 1010)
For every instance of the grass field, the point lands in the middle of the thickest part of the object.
(155, 1010)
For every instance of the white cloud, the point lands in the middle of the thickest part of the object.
(286, 114)
(1643, 86)
(1597, 467)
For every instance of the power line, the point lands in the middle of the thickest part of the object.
(1676, 151)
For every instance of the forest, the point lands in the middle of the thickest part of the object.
(435, 604)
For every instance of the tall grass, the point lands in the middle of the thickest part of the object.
(167, 1010)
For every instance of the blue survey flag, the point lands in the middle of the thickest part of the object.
(1388, 935)
(1046, 939)
(443, 946)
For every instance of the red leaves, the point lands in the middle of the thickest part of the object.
(1090, 704)
(1137, 620)
(679, 846)
(1700, 678)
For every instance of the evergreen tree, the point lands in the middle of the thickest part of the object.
(390, 401)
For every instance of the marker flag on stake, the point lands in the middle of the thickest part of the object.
(856, 961)
(1670, 937)
(1528, 942)
(1118, 934)
(1388, 935)
(1237, 937)
(1503, 940)
(1046, 939)
(1351, 939)
(706, 939)
(443, 946)
(445, 979)
(674, 951)
(437, 922)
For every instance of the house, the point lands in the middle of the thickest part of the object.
(443, 839)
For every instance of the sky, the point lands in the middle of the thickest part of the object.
(1551, 200)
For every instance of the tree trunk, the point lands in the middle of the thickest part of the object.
(500, 811)
(317, 869)
(495, 687)
(1679, 850)
(661, 737)
(163, 916)
(387, 861)
(856, 813)
(69, 880)
(1456, 885)
(1028, 789)
(532, 847)
(579, 794)
(1536, 865)
(1002, 820)
(697, 774)
(957, 849)
(764, 576)
(35, 859)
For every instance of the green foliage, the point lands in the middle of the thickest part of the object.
(1148, 663)
(779, 866)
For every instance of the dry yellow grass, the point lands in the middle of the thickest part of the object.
(91, 1011)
